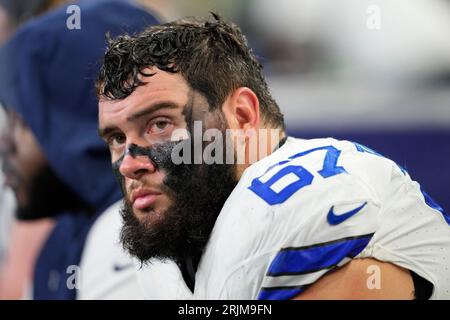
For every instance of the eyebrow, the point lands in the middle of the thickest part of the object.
(152, 108)
(103, 132)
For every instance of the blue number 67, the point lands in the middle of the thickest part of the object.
(305, 178)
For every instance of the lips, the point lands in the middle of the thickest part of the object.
(144, 198)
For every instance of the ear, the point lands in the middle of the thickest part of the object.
(242, 109)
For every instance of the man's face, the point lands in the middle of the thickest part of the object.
(169, 210)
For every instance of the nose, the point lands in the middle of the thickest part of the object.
(134, 167)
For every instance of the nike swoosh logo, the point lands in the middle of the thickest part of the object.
(334, 219)
(121, 267)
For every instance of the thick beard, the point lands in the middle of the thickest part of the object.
(198, 193)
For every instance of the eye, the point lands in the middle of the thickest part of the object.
(159, 125)
(116, 140)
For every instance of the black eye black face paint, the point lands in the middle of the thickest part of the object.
(196, 193)
(160, 154)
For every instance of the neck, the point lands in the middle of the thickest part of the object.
(268, 141)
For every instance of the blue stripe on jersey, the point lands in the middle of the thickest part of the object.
(280, 293)
(296, 261)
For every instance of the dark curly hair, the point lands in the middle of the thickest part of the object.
(212, 55)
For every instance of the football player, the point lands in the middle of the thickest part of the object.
(306, 219)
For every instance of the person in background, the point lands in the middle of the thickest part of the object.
(13, 13)
(53, 158)
(20, 241)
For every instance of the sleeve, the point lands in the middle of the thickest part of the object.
(415, 235)
(307, 236)
(337, 233)
(414, 231)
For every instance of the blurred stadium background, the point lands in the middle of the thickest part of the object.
(375, 72)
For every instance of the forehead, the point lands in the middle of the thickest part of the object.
(160, 87)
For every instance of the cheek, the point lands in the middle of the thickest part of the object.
(116, 159)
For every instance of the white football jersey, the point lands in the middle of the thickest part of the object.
(312, 206)
(106, 270)
(162, 280)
